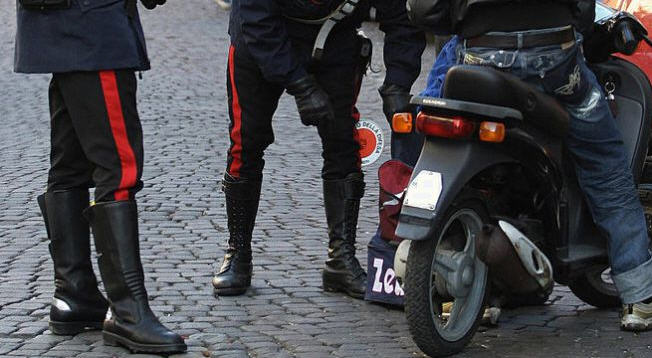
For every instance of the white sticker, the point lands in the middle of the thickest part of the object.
(424, 191)
(371, 139)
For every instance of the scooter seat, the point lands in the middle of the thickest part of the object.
(486, 85)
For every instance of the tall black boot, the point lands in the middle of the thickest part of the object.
(77, 305)
(242, 197)
(133, 324)
(342, 202)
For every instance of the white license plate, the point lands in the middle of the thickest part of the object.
(424, 191)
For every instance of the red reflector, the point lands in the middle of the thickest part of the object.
(456, 127)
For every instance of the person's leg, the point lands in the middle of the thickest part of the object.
(104, 116)
(602, 166)
(605, 177)
(252, 102)
(343, 181)
(78, 304)
(604, 174)
(102, 106)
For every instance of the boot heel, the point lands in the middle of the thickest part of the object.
(331, 282)
(72, 328)
(109, 340)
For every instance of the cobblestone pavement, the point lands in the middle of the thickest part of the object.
(183, 228)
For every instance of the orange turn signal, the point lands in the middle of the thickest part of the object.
(402, 123)
(492, 132)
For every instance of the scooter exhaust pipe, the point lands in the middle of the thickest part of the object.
(515, 264)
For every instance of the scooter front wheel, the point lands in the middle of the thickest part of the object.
(446, 283)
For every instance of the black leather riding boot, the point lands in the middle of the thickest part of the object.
(342, 202)
(78, 305)
(132, 323)
(242, 196)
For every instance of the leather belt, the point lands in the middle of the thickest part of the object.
(522, 40)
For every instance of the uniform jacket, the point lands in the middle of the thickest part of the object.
(91, 35)
(264, 28)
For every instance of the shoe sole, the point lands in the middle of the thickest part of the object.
(229, 291)
(635, 324)
(111, 339)
(339, 288)
(72, 328)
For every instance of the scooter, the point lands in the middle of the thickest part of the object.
(494, 154)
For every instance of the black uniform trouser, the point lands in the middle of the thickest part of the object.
(253, 101)
(96, 136)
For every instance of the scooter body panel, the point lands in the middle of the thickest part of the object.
(457, 162)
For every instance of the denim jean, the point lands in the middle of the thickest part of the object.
(596, 147)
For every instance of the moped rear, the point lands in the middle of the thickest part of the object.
(495, 152)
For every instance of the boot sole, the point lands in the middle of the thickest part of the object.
(72, 328)
(111, 339)
(341, 289)
(229, 291)
(331, 283)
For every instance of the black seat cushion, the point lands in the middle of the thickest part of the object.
(489, 86)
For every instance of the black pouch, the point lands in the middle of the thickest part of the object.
(366, 49)
(45, 4)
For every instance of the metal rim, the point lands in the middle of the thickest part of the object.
(457, 276)
(599, 276)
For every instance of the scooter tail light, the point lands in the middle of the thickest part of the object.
(492, 132)
(402, 123)
(453, 127)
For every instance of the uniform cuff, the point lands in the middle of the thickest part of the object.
(295, 75)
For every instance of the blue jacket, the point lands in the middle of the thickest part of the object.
(263, 28)
(446, 59)
(91, 35)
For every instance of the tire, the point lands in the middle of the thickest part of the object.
(427, 325)
(594, 290)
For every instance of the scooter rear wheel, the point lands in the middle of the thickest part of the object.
(445, 269)
(596, 288)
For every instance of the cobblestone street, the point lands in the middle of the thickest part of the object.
(182, 103)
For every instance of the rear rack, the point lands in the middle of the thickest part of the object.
(472, 109)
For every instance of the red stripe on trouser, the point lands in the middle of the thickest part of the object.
(355, 114)
(128, 167)
(236, 130)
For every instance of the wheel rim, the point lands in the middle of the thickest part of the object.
(599, 276)
(457, 276)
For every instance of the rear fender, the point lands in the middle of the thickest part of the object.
(457, 162)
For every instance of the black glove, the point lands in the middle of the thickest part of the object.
(151, 4)
(396, 99)
(312, 102)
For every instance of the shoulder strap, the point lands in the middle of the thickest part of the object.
(131, 6)
(327, 24)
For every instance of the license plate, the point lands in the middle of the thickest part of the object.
(424, 191)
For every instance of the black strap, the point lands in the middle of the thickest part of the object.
(327, 23)
(131, 7)
(347, 8)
